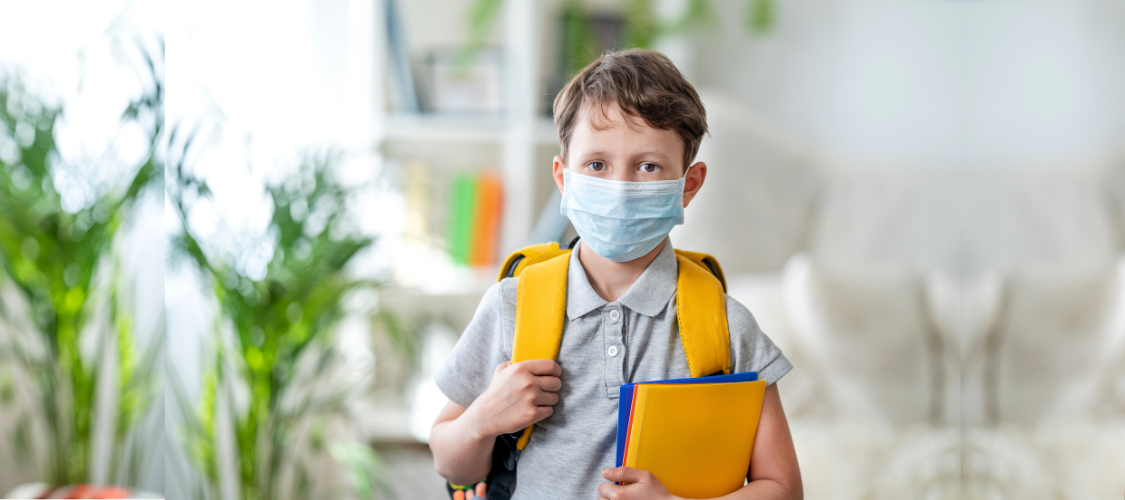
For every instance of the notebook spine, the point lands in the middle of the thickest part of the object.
(632, 451)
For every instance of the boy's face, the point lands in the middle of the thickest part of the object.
(625, 148)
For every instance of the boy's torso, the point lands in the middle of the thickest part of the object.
(604, 345)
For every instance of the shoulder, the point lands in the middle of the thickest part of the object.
(499, 299)
(506, 292)
(750, 348)
(740, 319)
(504, 300)
(483, 345)
(492, 325)
(746, 336)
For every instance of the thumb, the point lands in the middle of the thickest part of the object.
(500, 367)
(624, 475)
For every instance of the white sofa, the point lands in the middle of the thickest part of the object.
(955, 333)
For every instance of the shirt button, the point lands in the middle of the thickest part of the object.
(612, 350)
(613, 315)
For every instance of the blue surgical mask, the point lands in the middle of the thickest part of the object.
(622, 220)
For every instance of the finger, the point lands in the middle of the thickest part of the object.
(606, 490)
(626, 475)
(542, 412)
(549, 384)
(500, 367)
(546, 399)
(542, 367)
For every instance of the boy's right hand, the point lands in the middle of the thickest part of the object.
(519, 395)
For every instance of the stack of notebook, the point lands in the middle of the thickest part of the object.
(695, 435)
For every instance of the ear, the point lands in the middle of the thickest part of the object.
(557, 169)
(693, 181)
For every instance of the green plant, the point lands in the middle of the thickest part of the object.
(276, 318)
(761, 16)
(54, 254)
(640, 25)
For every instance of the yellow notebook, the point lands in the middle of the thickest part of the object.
(695, 438)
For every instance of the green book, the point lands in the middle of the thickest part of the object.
(462, 206)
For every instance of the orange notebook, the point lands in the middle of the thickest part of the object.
(696, 438)
(486, 226)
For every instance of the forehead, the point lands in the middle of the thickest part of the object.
(606, 128)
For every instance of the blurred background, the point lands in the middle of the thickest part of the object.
(81, 261)
(921, 201)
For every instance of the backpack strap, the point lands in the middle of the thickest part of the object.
(540, 310)
(705, 261)
(702, 316)
(528, 256)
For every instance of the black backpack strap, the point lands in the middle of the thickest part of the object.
(502, 477)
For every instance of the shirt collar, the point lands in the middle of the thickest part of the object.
(648, 295)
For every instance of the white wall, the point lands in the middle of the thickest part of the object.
(932, 82)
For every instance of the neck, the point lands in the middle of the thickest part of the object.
(612, 279)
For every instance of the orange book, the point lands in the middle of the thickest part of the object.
(486, 225)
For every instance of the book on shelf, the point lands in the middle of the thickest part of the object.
(404, 92)
(486, 219)
(460, 212)
(462, 205)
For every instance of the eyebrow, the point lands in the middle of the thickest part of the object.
(590, 154)
(656, 153)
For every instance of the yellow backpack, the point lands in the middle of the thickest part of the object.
(541, 307)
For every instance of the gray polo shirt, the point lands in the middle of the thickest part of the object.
(604, 345)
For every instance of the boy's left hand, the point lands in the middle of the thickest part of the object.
(644, 485)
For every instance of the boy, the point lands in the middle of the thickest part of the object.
(629, 126)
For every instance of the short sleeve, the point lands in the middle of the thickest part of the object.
(468, 369)
(750, 349)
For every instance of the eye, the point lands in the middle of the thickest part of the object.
(650, 168)
(596, 166)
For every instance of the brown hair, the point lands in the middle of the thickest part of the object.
(643, 83)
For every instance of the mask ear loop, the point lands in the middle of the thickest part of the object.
(683, 182)
(686, 170)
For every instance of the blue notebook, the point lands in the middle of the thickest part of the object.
(625, 403)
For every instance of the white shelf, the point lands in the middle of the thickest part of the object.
(445, 128)
(461, 128)
(517, 134)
